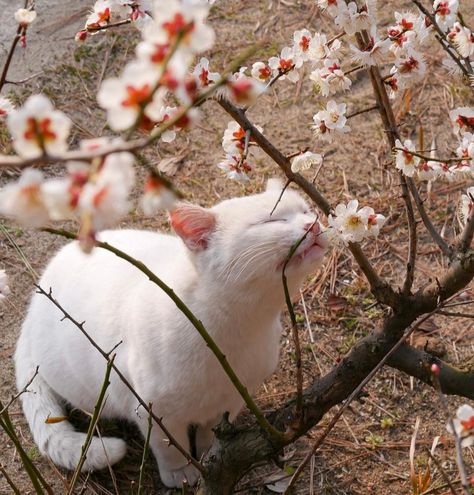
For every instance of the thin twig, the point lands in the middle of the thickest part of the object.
(364, 110)
(457, 439)
(459, 315)
(294, 326)
(468, 233)
(122, 378)
(442, 471)
(431, 158)
(436, 236)
(19, 33)
(197, 324)
(288, 182)
(353, 395)
(443, 40)
(37, 479)
(21, 392)
(100, 403)
(145, 452)
(95, 29)
(15, 489)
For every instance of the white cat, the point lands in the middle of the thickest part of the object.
(227, 270)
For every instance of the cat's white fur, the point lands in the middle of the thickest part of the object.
(227, 270)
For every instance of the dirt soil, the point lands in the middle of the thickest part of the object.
(368, 451)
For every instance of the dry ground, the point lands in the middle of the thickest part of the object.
(368, 450)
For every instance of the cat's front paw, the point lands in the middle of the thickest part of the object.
(173, 478)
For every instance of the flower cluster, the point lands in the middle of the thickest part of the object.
(236, 144)
(330, 122)
(97, 194)
(4, 289)
(411, 162)
(349, 224)
(107, 12)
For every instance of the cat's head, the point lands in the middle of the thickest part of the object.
(239, 240)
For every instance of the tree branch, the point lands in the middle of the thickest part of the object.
(381, 290)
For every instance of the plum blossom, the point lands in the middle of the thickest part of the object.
(25, 17)
(305, 161)
(184, 19)
(157, 197)
(126, 96)
(203, 75)
(445, 12)
(235, 167)
(405, 161)
(4, 289)
(409, 67)
(37, 128)
(462, 119)
(466, 149)
(6, 107)
(23, 199)
(104, 198)
(319, 49)
(462, 39)
(244, 90)
(331, 6)
(286, 64)
(428, 170)
(374, 53)
(352, 225)
(330, 78)
(354, 19)
(330, 122)
(466, 204)
(464, 425)
(261, 71)
(302, 44)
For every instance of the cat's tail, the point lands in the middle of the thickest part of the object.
(52, 433)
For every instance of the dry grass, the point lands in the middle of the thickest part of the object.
(368, 452)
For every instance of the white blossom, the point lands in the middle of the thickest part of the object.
(464, 425)
(352, 225)
(25, 17)
(305, 161)
(445, 12)
(330, 122)
(404, 160)
(23, 199)
(6, 107)
(462, 119)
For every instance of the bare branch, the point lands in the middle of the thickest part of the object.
(122, 378)
(352, 396)
(21, 392)
(442, 244)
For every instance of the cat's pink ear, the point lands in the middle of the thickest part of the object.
(193, 224)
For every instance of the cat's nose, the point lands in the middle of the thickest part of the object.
(313, 227)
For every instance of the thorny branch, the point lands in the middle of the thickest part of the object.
(122, 378)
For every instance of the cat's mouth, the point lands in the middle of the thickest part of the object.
(311, 250)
